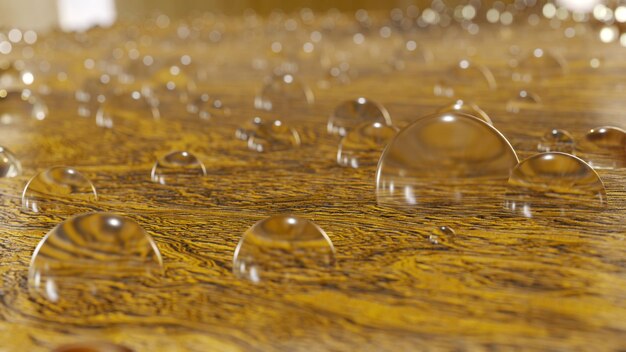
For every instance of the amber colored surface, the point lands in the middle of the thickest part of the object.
(505, 282)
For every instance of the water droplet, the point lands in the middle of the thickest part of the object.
(87, 260)
(352, 113)
(92, 347)
(51, 190)
(465, 76)
(283, 93)
(411, 56)
(605, 147)
(272, 136)
(467, 108)
(206, 107)
(10, 165)
(125, 106)
(556, 140)
(538, 65)
(524, 100)
(173, 81)
(551, 183)
(282, 248)
(18, 105)
(442, 235)
(363, 145)
(11, 78)
(177, 167)
(444, 156)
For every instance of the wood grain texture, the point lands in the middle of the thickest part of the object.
(504, 282)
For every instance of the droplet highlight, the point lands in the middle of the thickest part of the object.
(177, 167)
(58, 189)
(352, 113)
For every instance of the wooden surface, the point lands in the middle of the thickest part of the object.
(504, 282)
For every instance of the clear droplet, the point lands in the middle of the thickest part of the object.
(18, 105)
(272, 136)
(551, 184)
(283, 93)
(92, 347)
(283, 248)
(55, 189)
(352, 113)
(467, 108)
(411, 56)
(173, 81)
(524, 100)
(538, 65)
(11, 78)
(442, 235)
(465, 76)
(85, 263)
(363, 145)
(605, 147)
(556, 140)
(443, 157)
(10, 165)
(206, 107)
(177, 167)
(117, 107)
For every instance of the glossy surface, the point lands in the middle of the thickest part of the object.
(56, 189)
(284, 248)
(351, 113)
(363, 145)
(178, 167)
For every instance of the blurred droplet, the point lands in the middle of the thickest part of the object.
(10, 165)
(467, 108)
(524, 100)
(352, 113)
(283, 93)
(363, 145)
(556, 140)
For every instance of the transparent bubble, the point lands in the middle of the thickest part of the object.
(468, 108)
(524, 100)
(538, 65)
(363, 145)
(11, 78)
(352, 113)
(84, 263)
(443, 157)
(10, 165)
(605, 147)
(173, 81)
(283, 248)
(51, 190)
(207, 107)
(411, 56)
(18, 105)
(125, 106)
(92, 347)
(556, 140)
(442, 235)
(465, 77)
(272, 136)
(551, 184)
(177, 167)
(284, 93)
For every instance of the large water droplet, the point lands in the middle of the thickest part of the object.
(272, 136)
(85, 263)
(524, 100)
(283, 93)
(605, 147)
(363, 145)
(552, 183)
(352, 113)
(54, 189)
(18, 105)
(556, 140)
(92, 347)
(177, 167)
(467, 108)
(10, 165)
(443, 157)
(282, 248)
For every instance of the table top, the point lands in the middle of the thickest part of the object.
(502, 282)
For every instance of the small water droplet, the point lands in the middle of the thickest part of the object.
(272, 136)
(465, 77)
(605, 147)
(556, 140)
(363, 145)
(467, 108)
(206, 107)
(18, 105)
(87, 260)
(352, 113)
(54, 189)
(283, 93)
(524, 100)
(177, 167)
(283, 248)
(10, 165)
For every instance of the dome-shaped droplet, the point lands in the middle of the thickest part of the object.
(363, 145)
(273, 135)
(556, 140)
(538, 65)
(85, 263)
(524, 100)
(55, 189)
(10, 165)
(468, 108)
(551, 183)
(442, 157)
(442, 235)
(411, 56)
(206, 107)
(19, 105)
(177, 167)
(605, 147)
(465, 77)
(92, 347)
(282, 248)
(352, 113)
(117, 107)
(283, 93)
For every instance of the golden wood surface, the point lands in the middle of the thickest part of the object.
(504, 282)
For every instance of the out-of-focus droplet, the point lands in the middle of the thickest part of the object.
(92, 347)
(469, 109)
(465, 77)
(444, 157)
(55, 189)
(179, 167)
(19, 105)
(539, 65)
(11, 79)
(363, 145)
(283, 93)
(283, 248)
(550, 184)
(442, 235)
(411, 56)
(352, 113)
(273, 135)
(524, 100)
(88, 263)
(173, 81)
(207, 107)
(10, 165)
(556, 140)
(118, 107)
(605, 147)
